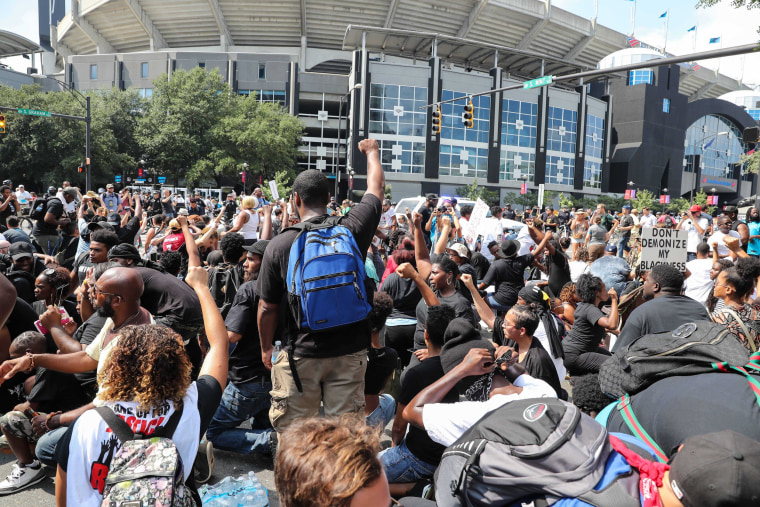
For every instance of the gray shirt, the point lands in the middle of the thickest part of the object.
(598, 235)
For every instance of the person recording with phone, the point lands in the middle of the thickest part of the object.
(434, 225)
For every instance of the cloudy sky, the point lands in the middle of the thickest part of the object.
(734, 27)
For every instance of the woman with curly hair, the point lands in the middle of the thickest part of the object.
(734, 285)
(583, 351)
(565, 306)
(145, 381)
(51, 288)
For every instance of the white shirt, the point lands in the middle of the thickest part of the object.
(24, 197)
(386, 219)
(698, 285)
(647, 221)
(491, 230)
(446, 422)
(526, 242)
(718, 237)
(91, 441)
(694, 238)
(577, 268)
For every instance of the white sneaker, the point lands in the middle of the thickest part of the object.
(21, 478)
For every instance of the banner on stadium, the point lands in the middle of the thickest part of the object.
(663, 246)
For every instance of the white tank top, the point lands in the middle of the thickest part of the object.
(251, 227)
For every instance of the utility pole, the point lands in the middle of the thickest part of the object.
(87, 120)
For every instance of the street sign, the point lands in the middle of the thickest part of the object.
(162, 179)
(541, 195)
(535, 83)
(34, 112)
(139, 182)
(117, 178)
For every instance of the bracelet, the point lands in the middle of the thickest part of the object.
(49, 417)
(31, 358)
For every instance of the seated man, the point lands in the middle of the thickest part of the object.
(414, 455)
(666, 310)
(48, 392)
(613, 270)
(343, 451)
(495, 383)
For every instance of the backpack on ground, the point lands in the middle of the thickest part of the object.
(223, 282)
(327, 282)
(39, 208)
(145, 471)
(689, 350)
(531, 449)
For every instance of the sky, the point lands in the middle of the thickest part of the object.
(734, 26)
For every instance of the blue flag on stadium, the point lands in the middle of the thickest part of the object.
(664, 15)
(714, 40)
(693, 28)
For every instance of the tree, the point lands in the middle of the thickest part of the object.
(701, 199)
(752, 162)
(644, 199)
(678, 205)
(473, 191)
(610, 202)
(565, 201)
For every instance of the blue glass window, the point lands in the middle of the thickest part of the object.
(93, 72)
(640, 76)
(665, 105)
(144, 69)
(518, 140)
(464, 152)
(716, 144)
(561, 131)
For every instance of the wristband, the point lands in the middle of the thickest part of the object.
(31, 358)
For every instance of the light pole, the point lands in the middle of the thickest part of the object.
(665, 193)
(525, 195)
(357, 86)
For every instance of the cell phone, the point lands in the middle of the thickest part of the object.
(64, 320)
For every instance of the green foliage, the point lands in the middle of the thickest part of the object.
(644, 199)
(752, 161)
(610, 202)
(284, 183)
(701, 199)
(565, 200)
(474, 192)
(388, 191)
(678, 205)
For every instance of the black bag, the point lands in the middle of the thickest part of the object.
(689, 350)
(39, 208)
(527, 449)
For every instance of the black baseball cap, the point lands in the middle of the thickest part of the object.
(258, 248)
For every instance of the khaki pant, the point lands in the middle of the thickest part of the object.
(337, 382)
(595, 251)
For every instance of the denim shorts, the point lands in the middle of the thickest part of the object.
(402, 466)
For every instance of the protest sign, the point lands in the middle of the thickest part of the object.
(470, 230)
(663, 246)
(273, 188)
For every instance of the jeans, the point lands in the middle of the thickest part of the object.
(249, 400)
(45, 449)
(497, 306)
(384, 413)
(586, 362)
(623, 246)
(402, 466)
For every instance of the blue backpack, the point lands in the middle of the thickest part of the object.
(326, 277)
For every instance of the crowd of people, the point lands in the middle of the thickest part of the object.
(182, 318)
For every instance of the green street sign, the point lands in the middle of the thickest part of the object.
(34, 112)
(535, 83)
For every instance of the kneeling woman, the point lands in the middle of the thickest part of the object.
(145, 380)
(583, 353)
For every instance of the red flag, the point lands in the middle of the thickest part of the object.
(524, 189)
(243, 176)
(627, 195)
(664, 199)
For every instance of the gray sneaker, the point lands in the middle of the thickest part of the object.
(204, 462)
(21, 478)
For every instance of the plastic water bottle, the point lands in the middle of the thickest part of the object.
(276, 351)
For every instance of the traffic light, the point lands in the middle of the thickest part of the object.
(140, 172)
(467, 116)
(80, 169)
(437, 119)
(2, 124)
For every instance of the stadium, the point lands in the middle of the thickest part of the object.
(351, 69)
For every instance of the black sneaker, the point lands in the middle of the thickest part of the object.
(203, 466)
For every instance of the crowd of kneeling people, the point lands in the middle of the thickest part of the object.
(177, 344)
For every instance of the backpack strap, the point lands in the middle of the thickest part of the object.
(124, 433)
(626, 412)
(739, 321)
(754, 365)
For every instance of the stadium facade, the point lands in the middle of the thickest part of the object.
(351, 69)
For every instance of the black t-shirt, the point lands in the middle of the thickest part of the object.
(128, 232)
(626, 221)
(538, 363)
(563, 217)
(560, 272)
(57, 391)
(508, 277)
(405, 296)
(21, 319)
(229, 209)
(380, 365)
(586, 334)
(81, 266)
(54, 206)
(155, 207)
(661, 314)
(86, 334)
(481, 264)
(167, 207)
(509, 214)
(414, 381)
(245, 360)
(426, 212)
(209, 396)
(675, 408)
(362, 221)
(8, 211)
(23, 281)
(462, 308)
(169, 297)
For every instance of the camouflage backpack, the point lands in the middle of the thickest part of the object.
(145, 471)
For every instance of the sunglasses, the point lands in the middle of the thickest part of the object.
(96, 291)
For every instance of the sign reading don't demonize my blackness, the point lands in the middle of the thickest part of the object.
(663, 246)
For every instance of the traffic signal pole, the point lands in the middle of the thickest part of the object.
(87, 121)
